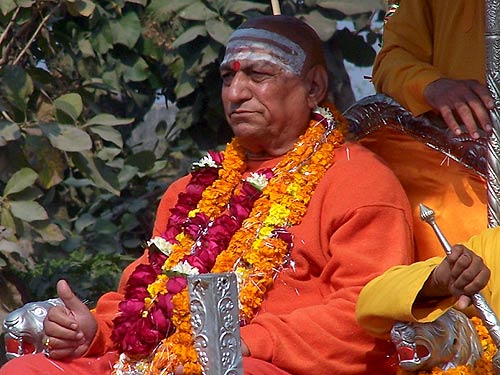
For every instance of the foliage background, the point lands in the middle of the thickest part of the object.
(86, 145)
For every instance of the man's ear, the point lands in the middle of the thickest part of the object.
(318, 85)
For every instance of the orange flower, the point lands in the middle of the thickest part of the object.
(259, 247)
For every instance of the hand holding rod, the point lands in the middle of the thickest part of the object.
(483, 308)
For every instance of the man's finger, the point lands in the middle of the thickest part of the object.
(463, 302)
(449, 119)
(71, 301)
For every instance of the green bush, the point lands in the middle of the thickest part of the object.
(79, 79)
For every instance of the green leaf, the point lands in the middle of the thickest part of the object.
(16, 85)
(71, 104)
(209, 55)
(189, 35)
(143, 160)
(83, 8)
(49, 162)
(66, 137)
(350, 7)
(140, 2)
(28, 210)
(109, 134)
(108, 120)
(354, 48)
(7, 6)
(103, 39)
(86, 48)
(219, 31)
(165, 7)
(136, 69)
(20, 180)
(9, 247)
(108, 153)
(96, 170)
(25, 3)
(9, 131)
(126, 30)
(240, 7)
(7, 220)
(49, 232)
(197, 12)
(84, 221)
(325, 27)
(185, 86)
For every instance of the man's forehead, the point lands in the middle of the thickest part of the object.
(266, 46)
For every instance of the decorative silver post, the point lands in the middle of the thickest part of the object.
(483, 308)
(215, 321)
(492, 50)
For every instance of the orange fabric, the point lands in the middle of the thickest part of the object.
(425, 40)
(358, 225)
(455, 193)
(38, 364)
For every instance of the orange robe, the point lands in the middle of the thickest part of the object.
(358, 224)
(425, 40)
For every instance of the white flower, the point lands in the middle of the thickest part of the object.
(204, 162)
(185, 268)
(164, 246)
(259, 181)
(325, 112)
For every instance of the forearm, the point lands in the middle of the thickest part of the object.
(393, 296)
(403, 67)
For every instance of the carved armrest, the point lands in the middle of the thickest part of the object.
(450, 341)
(23, 328)
(373, 112)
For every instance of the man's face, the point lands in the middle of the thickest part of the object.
(265, 105)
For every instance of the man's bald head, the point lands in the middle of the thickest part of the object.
(284, 40)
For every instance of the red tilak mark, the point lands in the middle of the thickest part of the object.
(236, 66)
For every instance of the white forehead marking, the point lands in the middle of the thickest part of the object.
(258, 44)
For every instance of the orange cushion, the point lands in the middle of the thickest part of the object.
(455, 193)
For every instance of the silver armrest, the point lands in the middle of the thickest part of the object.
(23, 328)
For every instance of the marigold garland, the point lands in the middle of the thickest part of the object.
(221, 223)
(483, 366)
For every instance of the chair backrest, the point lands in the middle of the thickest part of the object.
(443, 171)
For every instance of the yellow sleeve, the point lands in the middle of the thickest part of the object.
(391, 296)
(487, 246)
(402, 68)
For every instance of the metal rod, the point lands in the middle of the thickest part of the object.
(484, 310)
(492, 51)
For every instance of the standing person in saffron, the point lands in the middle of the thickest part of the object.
(304, 218)
(433, 60)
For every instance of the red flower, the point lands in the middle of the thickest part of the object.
(143, 274)
(165, 304)
(176, 284)
(217, 156)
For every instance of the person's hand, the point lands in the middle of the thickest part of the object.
(70, 328)
(461, 274)
(465, 101)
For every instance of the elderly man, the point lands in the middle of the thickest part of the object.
(303, 218)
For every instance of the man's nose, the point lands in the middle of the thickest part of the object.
(239, 89)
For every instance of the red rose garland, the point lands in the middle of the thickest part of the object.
(217, 226)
